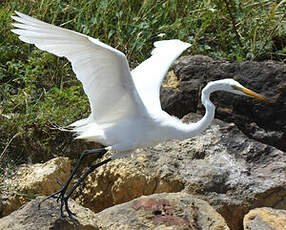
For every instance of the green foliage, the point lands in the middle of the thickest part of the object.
(38, 89)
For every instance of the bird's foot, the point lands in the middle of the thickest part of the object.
(60, 196)
(64, 205)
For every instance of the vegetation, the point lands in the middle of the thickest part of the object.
(39, 90)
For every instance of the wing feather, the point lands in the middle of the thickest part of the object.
(103, 70)
(148, 76)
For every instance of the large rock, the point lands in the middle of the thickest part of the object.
(32, 180)
(47, 217)
(222, 166)
(166, 211)
(161, 211)
(258, 120)
(265, 219)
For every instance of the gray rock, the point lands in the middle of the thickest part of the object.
(161, 211)
(172, 211)
(47, 217)
(222, 166)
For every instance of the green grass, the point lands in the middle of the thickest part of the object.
(39, 90)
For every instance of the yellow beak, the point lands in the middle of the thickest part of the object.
(253, 94)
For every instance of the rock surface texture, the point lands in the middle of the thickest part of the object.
(236, 166)
(32, 180)
(265, 219)
(166, 211)
(258, 120)
(47, 217)
(222, 166)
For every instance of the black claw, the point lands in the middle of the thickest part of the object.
(62, 212)
(61, 194)
(70, 213)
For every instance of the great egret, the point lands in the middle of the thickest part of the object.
(125, 108)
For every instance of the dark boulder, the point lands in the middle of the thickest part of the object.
(265, 122)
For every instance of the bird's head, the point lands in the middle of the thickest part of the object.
(235, 87)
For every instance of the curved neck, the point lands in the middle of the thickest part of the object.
(202, 124)
(193, 129)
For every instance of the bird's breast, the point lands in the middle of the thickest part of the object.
(132, 134)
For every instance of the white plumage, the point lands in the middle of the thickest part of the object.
(121, 101)
(125, 107)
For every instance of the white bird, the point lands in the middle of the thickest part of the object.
(125, 108)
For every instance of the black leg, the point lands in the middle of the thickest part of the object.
(60, 195)
(64, 199)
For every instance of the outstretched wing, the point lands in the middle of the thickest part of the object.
(148, 76)
(103, 70)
